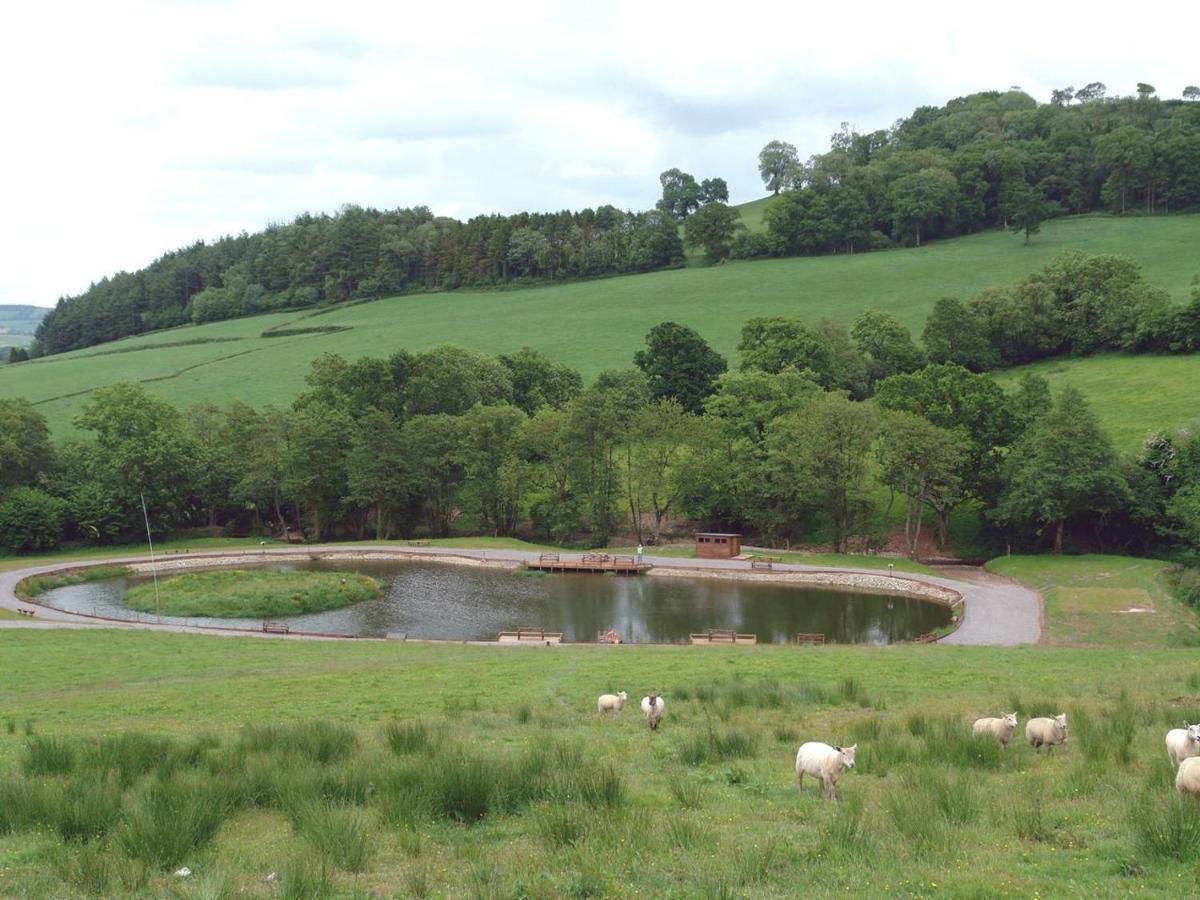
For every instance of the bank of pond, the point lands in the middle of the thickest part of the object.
(435, 601)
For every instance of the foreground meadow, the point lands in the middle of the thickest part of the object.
(430, 770)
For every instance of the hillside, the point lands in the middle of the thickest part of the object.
(18, 323)
(595, 325)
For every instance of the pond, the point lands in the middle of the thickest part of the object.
(450, 602)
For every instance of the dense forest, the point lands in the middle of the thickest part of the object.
(983, 161)
(821, 430)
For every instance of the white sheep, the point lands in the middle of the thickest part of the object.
(1046, 731)
(1187, 779)
(1183, 743)
(1001, 729)
(652, 708)
(611, 702)
(824, 763)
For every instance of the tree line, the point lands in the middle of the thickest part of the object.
(358, 253)
(988, 160)
(993, 159)
(818, 430)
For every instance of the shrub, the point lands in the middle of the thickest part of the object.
(23, 804)
(49, 756)
(171, 818)
(410, 737)
(1166, 826)
(713, 746)
(320, 742)
(84, 808)
(342, 834)
(30, 519)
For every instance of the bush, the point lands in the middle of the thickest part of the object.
(49, 756)
(342, 834)
(1167, 826)
(319, 742)
(410, 737)
(30, 520)
(84, 809)
(170, 819)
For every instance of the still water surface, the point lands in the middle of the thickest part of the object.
(429, 600)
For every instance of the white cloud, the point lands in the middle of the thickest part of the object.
(136, 127)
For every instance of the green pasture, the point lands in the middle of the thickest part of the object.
(594, 325)
(374, 768)
(1131, 395)
(1097, 600)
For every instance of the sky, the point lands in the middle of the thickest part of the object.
(132, 128)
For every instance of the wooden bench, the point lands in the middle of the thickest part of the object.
(595, 558)
(761, 564)
(529, 635)
(548, 557)
(927, 638)
(722, 636)
(814, 640)
(275, 628)
(623, 561)
(418, 543)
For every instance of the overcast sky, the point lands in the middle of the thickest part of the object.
(133, 128)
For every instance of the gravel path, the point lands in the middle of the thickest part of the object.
(998, 611)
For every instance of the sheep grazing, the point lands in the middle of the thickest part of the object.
(1000, 730)
(652, 709)
(1183, 743)
(1046, 731)
(1187, 779)
(824, 763)
(611, 702)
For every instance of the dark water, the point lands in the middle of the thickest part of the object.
(428, 600)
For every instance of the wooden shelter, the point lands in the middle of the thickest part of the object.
(718, 546)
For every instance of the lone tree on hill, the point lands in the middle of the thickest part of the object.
(1064, 465)
(712, 227)
(779, 165)
(1191, 92)
(679, 365)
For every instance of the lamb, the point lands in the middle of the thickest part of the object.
(1183, 743)
(1001, 729)
(653, 707)
(1046, 731)
(1187, 779)
(824, 763)
(611, 702)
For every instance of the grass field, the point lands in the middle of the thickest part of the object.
(1131, 395)
(597, 324)
(383, 768)
(1104, 601)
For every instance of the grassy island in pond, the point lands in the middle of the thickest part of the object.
(253, 594)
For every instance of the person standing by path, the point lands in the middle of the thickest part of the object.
(639, 554)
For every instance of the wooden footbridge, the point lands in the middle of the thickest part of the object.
(587, 564)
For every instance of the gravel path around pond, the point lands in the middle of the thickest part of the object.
(997, 611)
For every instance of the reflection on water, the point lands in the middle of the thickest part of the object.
(428, 600)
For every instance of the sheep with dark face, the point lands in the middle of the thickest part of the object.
(824, 763)
(652, 708)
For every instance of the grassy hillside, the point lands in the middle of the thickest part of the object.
(1132, 395)
(598, 324)
(349, 768)
(18, 323)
